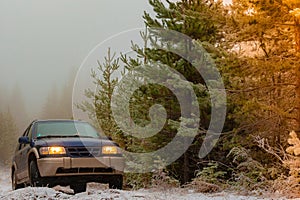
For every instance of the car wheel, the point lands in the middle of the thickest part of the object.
(116, 182)
(34, 175)
(15, 186)
(78, 187)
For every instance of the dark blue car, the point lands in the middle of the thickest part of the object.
(65, 152)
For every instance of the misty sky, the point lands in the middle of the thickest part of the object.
(41, 40)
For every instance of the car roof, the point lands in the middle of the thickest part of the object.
(58, 120)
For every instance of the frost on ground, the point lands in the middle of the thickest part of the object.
(103, 193)
(5, 182)
(49, 193)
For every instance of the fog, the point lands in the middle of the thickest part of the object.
(43, 42)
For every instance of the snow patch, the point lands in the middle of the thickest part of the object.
(100, 191)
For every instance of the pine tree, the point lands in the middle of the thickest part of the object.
(200, 21)
(263, 83)
(58, 104)
(65, 97)
(9, 136)
(51, 109)
(98, 105)
(18, 108)
(295, 6)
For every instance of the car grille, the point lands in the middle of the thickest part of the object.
(83, 170)
(84, 151)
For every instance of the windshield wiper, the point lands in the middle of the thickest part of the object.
(64, 136)
(83, 136)
(49, 136)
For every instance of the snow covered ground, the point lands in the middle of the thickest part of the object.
(5, 182)
(108, 194)
(49, 193)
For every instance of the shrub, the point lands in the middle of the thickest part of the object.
(248, 173)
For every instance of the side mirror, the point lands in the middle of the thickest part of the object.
(24, 140)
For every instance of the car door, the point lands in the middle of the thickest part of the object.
(18, 156)
(22, 155)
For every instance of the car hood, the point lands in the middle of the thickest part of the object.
(73, 142)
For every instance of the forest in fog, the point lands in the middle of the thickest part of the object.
(253, 44)
(16, 115)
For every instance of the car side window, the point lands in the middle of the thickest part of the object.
(21, 146)
(29, 133)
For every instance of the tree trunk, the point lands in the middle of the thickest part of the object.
(186, 164)
(297, 34)
(186, 167)
(297, 39)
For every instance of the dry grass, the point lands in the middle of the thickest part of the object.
(203, 187)
(286, 186)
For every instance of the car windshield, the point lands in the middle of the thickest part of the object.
(65, 129)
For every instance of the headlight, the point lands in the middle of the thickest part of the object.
(109, 150)
(52, 150)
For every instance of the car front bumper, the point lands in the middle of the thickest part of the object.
(67, 166)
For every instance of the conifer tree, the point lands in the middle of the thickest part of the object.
(264, 81)
(200, 21)
(98, 105)
(9, 136)
(65, 97)
(51, 109)
(17, 108)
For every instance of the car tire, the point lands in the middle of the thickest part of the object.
(116, 182)
(15, 186)
(78, 187)
(34, 175)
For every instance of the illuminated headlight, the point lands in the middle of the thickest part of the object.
(52, 150)
(109, 150)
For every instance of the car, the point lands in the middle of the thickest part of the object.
(66, 152)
